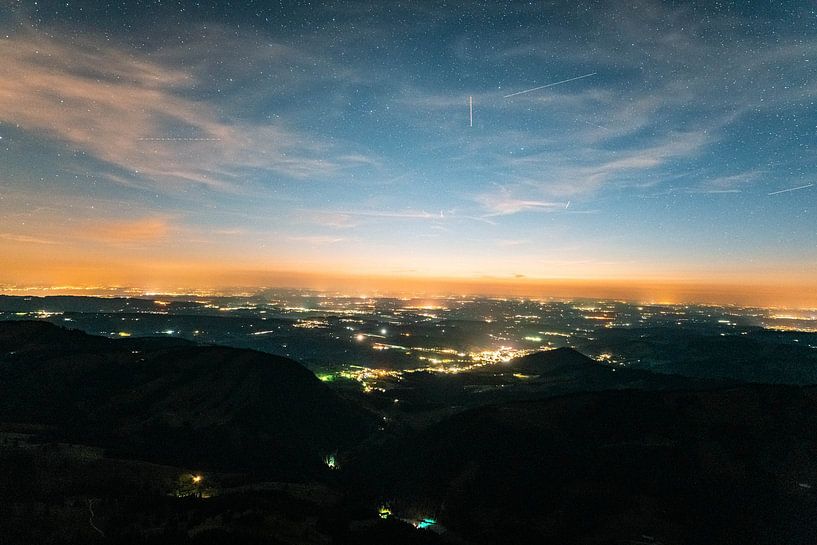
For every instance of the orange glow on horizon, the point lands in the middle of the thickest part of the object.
(132, 267)
(198, 278)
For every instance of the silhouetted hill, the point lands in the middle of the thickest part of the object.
(576, 372)
(553, 361)
(173, 402)
(536, 376)
(751, 355)
(717, 466)
(566, 366)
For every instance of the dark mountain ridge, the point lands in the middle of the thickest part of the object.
(746, 355)
(539, 375)
(558, 447)
(731, 465)
(175, 402)
(551, 361)
(577, 372)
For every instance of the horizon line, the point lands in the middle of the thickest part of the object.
(755, 293)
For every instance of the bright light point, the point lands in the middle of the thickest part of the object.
(383, 331)
(169, 332)
(330, 461)
(360, 337)
(123, 334)
(426, 523)
(197, 478)
(384, 512)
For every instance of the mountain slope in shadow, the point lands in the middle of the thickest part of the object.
(172, 402)
(570, 366)
(536, 376)
(717, 466)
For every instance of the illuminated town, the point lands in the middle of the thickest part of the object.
(376, 342)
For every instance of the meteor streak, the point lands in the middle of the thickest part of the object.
(549, 85)
(791, 189)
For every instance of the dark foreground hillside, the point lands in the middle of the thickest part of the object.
(173, 402)
(718, 466)
(161, 441)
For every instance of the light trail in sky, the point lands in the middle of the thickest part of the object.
(177, 139)
(549, 85)
(791, 189)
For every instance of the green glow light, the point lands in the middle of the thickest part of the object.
(330, 461)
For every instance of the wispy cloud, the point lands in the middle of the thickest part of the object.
(507, 243)
(539, 179)
(501, 203)
(347, 219)
(100, 232)
(733, 183)
(25, 239)
(140, 116)
(315, 240)
(141, 230)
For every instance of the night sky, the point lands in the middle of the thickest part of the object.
(168, 144)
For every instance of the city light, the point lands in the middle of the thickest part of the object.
(384, 512)
(330, 461)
